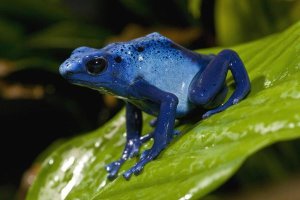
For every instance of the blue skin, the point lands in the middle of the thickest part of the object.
(155, 75)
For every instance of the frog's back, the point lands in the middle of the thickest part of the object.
(163, 64)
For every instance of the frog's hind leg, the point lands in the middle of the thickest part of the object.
(219, 98)
(207, 87)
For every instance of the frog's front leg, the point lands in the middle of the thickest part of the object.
(165, 123)
(133, 142)
(208, 87)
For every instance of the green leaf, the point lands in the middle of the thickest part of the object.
(140, 7)
(194, 7)
(34, 10)
(207, 153)
(11, 38)
(68, 34)
(240, 21)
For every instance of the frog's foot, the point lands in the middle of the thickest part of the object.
(210, 113)
(146, 157)
(217, 110)
(176, 133)
(131, 150)
(113, 168)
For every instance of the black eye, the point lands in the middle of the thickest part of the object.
(140, 49)
(96, 66)
(118, 59)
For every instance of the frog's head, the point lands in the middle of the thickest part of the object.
(93, 68)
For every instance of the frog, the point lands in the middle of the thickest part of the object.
(155, 75)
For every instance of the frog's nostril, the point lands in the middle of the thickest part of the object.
(65, 71)
(69, 73)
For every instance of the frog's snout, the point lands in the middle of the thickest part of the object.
(65, 73)
(66, 69)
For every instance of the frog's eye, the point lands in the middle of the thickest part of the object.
(96, 66)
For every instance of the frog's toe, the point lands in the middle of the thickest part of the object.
(112, 175)
(110, 167)
(113, 169)
(176, 133)
(146, 157)
(128, 174)
(136, 169)
(153, 122)
(209, 113)
(206, 115)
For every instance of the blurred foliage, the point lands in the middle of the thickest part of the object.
(68, 35)
(194, 7)
(141, 7)
(20, 18)
(244, 20)
(191, 166)
(157, 12)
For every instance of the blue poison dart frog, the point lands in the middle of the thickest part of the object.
(155, 75)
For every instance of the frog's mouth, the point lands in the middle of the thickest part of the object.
(95, 86)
